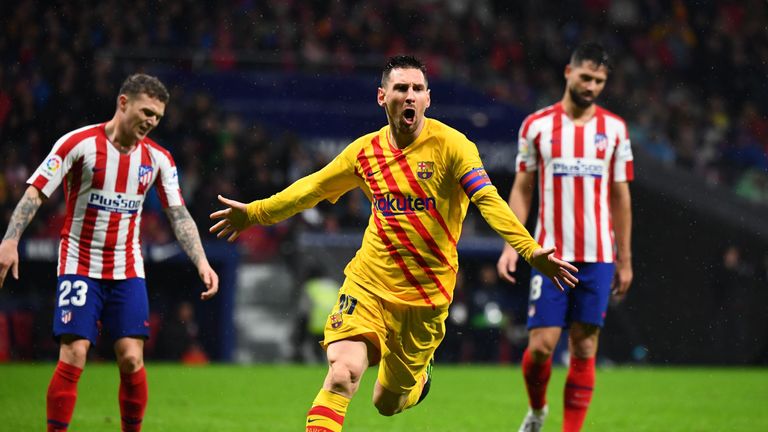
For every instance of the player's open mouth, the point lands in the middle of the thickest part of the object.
(409, 115)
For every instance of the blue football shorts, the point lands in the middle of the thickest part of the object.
(120, 306)
(586, 303)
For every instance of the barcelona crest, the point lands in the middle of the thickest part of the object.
(336, 320)
(425, 170)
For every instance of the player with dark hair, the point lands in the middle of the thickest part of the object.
(420, 176)
(584, 160)
(107, 170)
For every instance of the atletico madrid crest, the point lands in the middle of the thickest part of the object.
(145, 174)
(425, 170)
(66, 316)
(601, 141)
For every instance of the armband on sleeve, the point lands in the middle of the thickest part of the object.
(475, 180)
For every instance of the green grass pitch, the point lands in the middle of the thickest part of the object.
(275, 398)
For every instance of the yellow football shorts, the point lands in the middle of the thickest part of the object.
(405, 335)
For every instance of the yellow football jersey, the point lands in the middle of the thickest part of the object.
(419, 197)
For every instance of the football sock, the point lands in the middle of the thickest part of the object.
(327, 412)
(536, 379)
(133, 399)
(578, 392)
(62, 395)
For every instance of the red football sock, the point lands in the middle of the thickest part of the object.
(133, 399)
(578, 392)
(536, 379)
(62, 394)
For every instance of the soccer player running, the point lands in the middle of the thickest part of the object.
(420, 176)
(107, 170)
(584, 160)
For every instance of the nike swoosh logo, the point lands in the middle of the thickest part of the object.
(312, 420)
(370, 173)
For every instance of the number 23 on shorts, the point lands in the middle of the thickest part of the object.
(72, 293)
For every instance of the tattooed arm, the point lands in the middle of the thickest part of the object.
(20, 219)
(186, 233)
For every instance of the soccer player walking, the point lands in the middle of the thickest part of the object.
(584, 160)
(107, 170)
(420, 176)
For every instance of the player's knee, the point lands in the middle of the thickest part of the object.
(541, 351)
(583, 341)
(387, 406)
(584, 349)
(345, 376)
(74, 351)
(386, 402)
(130, 362)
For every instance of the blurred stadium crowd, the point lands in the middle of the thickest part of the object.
(689, 77)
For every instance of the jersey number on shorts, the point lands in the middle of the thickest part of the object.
(536, 282)
(347, 304)
(78, 299)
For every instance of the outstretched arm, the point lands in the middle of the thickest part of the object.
(20, 219)
(185, 230)
(500, 217)
(233, 219)
(330, 183)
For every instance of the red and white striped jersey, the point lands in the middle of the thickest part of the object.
(576, 165)
(104, 192)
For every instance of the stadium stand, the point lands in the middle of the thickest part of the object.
(252, 84)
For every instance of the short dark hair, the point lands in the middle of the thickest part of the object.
(594, 52)
(402, 62)
(137, 84)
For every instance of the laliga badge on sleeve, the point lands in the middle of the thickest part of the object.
(51, 166)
